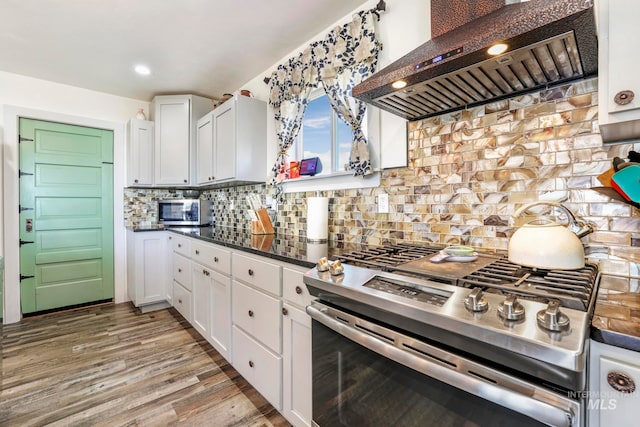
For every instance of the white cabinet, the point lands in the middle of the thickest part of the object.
(257, 330)
(239, 140)
(182, 280)
(613, 373)
(140, 153)
(296, 349)
(618, 60)
(211, 266)
(175, 118)
(204, 150)
(220, 316)
(147, 272)
(259, 366)
(200, 289)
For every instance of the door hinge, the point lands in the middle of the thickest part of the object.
(24, 242)
(23, 139)
(21, 174)
(22, 277)
(22, 209)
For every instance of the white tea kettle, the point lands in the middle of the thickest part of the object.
(545, 244)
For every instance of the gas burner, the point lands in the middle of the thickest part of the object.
(385, 257)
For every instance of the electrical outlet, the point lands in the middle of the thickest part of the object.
(383, 203)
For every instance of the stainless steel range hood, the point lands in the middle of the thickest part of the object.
(549, 42)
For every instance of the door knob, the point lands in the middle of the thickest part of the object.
(29, 225)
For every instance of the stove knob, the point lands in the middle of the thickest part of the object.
(476, 301)
(552, 318)
(336, 268)
(323, 264)
(511, 309)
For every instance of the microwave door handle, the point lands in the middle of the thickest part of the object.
(555, 411)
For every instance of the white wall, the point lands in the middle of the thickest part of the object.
(405, 25)
(22, 96)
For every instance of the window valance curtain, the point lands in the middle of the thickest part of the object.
(345, 57)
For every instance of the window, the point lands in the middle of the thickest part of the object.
(323, 135)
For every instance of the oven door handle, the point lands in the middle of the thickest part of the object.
(530, 400)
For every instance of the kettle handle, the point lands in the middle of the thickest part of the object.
(570, 215)
(579, 228)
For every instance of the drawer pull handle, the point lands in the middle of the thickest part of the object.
(197, 252)
(135, 180)
(207, 273)
(250, 313)
(298, 290)
(179, 245)
(250, 272)
(250, 364)
(215, 259)
(285, 311)
(179, 301)
(621, 382)
(179, 270)
(184, 180)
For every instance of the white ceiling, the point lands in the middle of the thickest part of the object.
(205, 47)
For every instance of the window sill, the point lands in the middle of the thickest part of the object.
(335, 181)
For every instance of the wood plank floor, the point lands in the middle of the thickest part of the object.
(110, 365)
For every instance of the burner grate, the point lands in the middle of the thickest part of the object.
(573, 288)
(388, 256)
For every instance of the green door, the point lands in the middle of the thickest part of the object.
(66, 215)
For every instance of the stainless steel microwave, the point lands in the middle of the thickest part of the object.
(194, 212)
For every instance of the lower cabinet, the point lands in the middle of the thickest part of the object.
(220, 314)
(296, 362)
(147, 274)
(258, 365)
(251, 309)
(614, 386)
(200, 290)
(182, 301)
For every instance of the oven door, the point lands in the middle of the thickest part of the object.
(368, 375)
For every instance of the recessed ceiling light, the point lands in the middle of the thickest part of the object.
(497, 49)
(143, 70)
(399, 84)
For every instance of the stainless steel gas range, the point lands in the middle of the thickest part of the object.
(400, 340)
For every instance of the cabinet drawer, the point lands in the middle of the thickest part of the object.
(258, 273)
(257, 313)
(259, 366)
(181, 245)
(182, 300)
(211, 256)
(182, 270)
(293, 288)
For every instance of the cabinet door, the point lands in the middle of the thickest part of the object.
(617, 60)
(204, 150)
(224, 130)
(182, 300)
(172, 119)
(296, 366)
(147, 281)
(220, 304)
(200, 289)
(140, 153)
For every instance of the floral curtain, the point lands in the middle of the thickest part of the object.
(346, 56)
(354, 59)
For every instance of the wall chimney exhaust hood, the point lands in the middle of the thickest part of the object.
(548, 42)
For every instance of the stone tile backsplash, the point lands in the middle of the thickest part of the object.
(468, 172)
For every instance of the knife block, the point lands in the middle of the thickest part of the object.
(263, 225)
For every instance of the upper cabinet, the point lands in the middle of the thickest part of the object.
(175, 118)
(140, 153)
(231, 146)
(619, 87)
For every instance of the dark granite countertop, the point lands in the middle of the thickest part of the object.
(617, 315)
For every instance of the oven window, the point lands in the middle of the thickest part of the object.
(356, 387)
